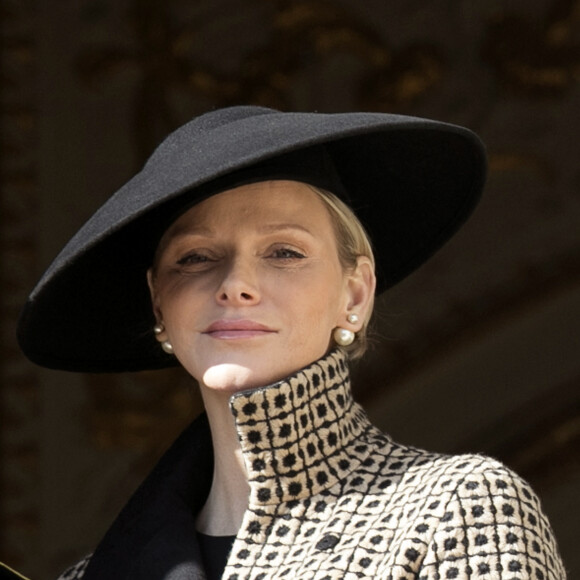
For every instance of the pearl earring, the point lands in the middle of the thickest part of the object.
(165, 344)
(167, 347)
(352, 318)
(343, 336)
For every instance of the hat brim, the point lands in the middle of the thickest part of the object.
(412, 182)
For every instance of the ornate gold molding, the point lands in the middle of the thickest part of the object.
(19, 396)
(143, 412)
(536, 59)
(301, 33)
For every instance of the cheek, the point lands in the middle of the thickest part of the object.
(315, 309)
(178, 306)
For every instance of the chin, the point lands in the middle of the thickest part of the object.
(232, 377)
(236, 371)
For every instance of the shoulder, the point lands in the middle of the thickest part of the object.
(461, 474)
(486, 489)
(77, 571)
(494, 518)
(476, 515)
(473, 489)
(437, 470)
(488, 492)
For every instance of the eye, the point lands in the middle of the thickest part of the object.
(193, 258)
(287, 254)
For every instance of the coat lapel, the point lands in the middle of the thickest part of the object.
(154, 536)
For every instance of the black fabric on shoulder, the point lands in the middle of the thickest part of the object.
(154, 536)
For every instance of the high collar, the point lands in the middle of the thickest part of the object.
(298, 437)
(295, 434)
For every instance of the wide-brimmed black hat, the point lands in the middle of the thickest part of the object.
(412, 182)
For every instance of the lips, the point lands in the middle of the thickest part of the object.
(236, 329)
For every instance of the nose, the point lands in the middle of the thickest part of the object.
(239, 285)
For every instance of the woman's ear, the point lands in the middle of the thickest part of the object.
(360, 292)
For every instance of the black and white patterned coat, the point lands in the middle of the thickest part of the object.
(331, 498)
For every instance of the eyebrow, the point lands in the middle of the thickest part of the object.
(263, 229)
(271, 228)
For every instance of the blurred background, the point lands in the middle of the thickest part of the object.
(479, 350)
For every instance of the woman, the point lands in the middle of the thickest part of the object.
(238, 252)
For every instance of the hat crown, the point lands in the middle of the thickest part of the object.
(188, 136)
(219, 117)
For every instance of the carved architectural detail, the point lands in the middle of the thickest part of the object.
(300, 34)
(141, 411)
(536, 59)
(19, 397)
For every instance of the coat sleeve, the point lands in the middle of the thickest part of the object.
(493, 527)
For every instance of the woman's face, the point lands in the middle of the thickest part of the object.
(249, 287)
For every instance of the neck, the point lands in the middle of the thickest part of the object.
(228, 498)
(281, 443)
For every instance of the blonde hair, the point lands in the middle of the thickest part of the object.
(352, 242)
